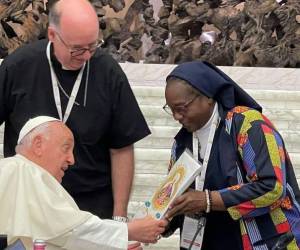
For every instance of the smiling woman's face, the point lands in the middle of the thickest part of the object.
(190, 108)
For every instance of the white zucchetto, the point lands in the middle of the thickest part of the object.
(33, 123)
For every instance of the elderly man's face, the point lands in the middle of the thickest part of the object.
(73, 52)
(74, 43)
(57, 150)
(192, 111)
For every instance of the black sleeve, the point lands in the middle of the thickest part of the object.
(128, 123)
(4, 92)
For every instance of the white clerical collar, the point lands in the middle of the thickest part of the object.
(55, 60)
(65, 68)
(202, 133)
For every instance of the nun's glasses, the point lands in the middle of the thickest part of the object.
(179, 109)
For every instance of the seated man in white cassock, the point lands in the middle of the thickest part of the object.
(35, 206)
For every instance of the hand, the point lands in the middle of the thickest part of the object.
(146, 230)
(190, 202)
(135, 246)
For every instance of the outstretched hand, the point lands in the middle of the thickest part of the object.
(146, 230)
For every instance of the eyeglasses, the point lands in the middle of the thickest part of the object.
(80, 51)
(180, 109)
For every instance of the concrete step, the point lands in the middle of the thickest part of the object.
(152, 120)
(150, 154)
(149, 95)
(152, 165)
(162, 137)
(282, 119)
(247, 77)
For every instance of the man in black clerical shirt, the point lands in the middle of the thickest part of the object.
(69, 77)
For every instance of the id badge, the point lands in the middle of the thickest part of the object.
(191, 227)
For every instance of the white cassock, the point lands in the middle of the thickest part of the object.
(33, 205)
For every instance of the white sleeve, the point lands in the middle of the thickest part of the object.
(98, 234)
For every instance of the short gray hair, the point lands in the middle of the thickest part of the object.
(41, 129)
(54, 14)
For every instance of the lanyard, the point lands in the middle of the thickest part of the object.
(201, 178)
(74, 92)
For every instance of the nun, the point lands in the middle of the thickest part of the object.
(246, 196)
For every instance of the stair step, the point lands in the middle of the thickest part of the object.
(168, 121)
(272, 114)
(162, 137)
(160, 159)
(271, 103)
(282, 119)
(256, 78)
(164, 154)
(146, 93)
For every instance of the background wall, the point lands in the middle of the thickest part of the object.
(224, 32)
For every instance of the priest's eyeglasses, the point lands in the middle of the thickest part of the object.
(179, 109)
(80, 51)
